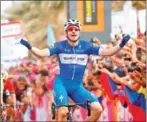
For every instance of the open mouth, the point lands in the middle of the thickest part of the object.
(73, 35)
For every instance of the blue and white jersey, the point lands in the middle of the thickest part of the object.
(73, 59)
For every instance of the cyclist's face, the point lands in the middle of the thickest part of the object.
(73, 33)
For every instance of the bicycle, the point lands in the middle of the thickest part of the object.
(70, 106)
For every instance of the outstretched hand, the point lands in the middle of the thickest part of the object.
(25, 43)
(125, 39)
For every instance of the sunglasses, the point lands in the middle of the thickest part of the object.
(71, 28)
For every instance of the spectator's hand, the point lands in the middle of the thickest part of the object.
(126, 48)
(4, 114)
(99, 67)
(133, 76)
(25, 43)
(104, 70)
(137, 74)
(101, 87)
(125, 39)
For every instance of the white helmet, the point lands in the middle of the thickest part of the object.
(72, 22)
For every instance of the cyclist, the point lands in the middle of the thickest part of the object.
(73, 56)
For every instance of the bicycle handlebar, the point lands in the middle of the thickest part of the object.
(71, 105)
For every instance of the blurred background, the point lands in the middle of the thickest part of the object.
(28, 79)
(41, 22)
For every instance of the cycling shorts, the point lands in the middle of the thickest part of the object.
(73, 89)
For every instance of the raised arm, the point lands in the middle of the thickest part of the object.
(114, 50)
(122, 80)
(38, 52)
(112, 75)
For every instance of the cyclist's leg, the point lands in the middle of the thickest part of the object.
(61, 98)
(81, 95)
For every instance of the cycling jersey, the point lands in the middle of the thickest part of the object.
(73, 59)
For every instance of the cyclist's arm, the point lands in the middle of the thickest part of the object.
(113, 50)
(104, 51)
(110, 51)
(39, 52)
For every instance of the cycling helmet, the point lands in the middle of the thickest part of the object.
(72, 22)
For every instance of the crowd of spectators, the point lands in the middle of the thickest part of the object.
(119, 80)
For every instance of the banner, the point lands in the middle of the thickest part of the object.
(91, 15)
(90, 12)
(11, 29)
(12, 52)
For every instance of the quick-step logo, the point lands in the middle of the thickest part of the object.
(80, 59)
